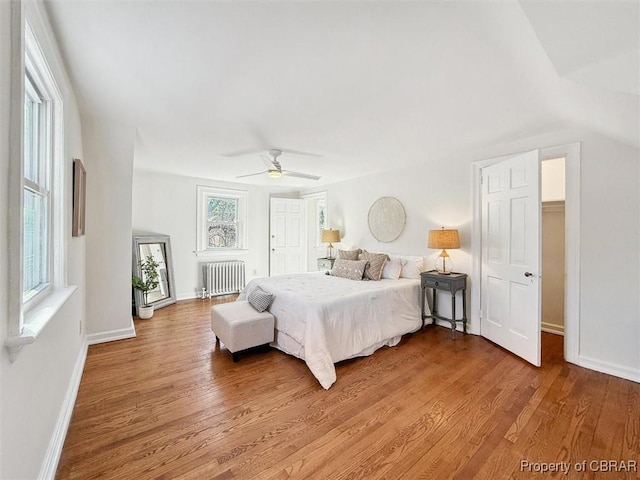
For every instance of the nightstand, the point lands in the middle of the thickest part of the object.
(451, 283)
(325, 263)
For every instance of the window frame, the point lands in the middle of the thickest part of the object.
(26, 320)
(203, 193)
(43, 129)
(317, 198)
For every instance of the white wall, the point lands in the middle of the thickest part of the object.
(553, 180)
(36, 388)
(165, 203)
(553, 271)
(109, 148)
(610, 326)
(431, 200)
(437, 193)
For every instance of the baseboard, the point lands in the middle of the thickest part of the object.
(112, 335)
(445, 324)
(610, 368)
(187, 296)
(190, 296)
(54, 450)
(553, 328)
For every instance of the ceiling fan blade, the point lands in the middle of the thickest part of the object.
(267, 161)
(299, 152)
(253, 174)
(300, 175)
(253, 151)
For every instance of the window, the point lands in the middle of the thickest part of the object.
(37, 271)
(317, 213)
(321, 219)
(37, 160)
(222, 219)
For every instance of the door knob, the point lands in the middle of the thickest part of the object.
(273, 249)
(528, 274)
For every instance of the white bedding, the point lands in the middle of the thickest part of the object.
(324, 319)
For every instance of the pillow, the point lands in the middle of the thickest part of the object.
(412, 268)
(376, 262)
(351, 269)
(259, 299)
(349, 254)
(393, 268)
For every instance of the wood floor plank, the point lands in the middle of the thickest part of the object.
(171, 404)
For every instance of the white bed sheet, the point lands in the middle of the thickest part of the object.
(324, 319)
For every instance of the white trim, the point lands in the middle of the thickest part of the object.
(223, 252)
(54, 450)
(572, 156)
(25, 322)
(571, 152)
(202, 191)
(112, 335)
(609, 368)
(36, 320)
(187, 296)
(316, 242)
(16, 177)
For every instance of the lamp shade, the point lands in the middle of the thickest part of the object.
(443, 239)
(330, 236)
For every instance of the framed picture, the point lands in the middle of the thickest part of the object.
(79, 197)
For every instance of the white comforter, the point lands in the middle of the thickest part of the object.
(324, 319)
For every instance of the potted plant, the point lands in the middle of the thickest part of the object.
(146, 283)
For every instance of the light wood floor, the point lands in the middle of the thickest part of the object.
(167, 404)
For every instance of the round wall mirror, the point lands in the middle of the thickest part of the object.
(386, 219)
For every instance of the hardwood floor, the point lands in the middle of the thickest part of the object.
(167, 404)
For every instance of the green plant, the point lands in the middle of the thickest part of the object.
(149, 279)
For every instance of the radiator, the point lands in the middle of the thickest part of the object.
(223, 278)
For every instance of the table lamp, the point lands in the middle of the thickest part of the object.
(443, 239)
(330, 236)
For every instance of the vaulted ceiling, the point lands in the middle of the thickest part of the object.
(349, 88)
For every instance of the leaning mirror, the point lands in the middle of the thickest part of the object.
(159, 248)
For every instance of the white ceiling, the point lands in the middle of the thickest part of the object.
(363, 86)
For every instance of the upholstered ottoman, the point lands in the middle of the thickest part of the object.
(240, 326)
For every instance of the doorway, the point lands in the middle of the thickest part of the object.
(571, 154)
(553, 245)
(287, 236)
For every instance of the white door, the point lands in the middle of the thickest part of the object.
(287, 245)
(511, 255)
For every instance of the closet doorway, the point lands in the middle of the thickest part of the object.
(553, 245)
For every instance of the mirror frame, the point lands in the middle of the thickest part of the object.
(166, 242)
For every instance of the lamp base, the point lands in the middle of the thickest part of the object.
(329, 252)
(444, 265)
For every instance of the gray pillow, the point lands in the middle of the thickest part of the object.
(375, 264)
(351, 269)
(259, 299)
(349, 254)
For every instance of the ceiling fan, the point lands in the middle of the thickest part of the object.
(274, 169)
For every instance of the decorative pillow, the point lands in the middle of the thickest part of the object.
(393, 268)
(259, 299)
(412, 268)
(351, 269)
(373, 270)
(349, 254)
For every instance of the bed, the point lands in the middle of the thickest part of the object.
(323, 319)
